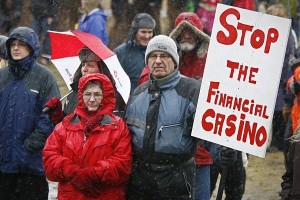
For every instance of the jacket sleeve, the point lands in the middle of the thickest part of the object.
(57, 167)
(48, 91)
(116, 169)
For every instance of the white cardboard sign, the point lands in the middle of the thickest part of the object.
(241, 79)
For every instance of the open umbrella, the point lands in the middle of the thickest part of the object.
(65, 47)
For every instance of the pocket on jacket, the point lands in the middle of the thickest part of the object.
(181, 180)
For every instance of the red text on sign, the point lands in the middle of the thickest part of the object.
(258, 37)
(243, 130)
(243, 73)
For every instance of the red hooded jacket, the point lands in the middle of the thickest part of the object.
(92, 165)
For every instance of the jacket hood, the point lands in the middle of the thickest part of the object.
(26, 35)
(192, 21)
(108, 101)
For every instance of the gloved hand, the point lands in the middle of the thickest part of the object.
(69, 169)
(86, 182)
(227, 156)
(56, 114)
(35, 142)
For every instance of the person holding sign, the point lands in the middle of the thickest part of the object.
(160, 115)
(193, 44)
(283, 107)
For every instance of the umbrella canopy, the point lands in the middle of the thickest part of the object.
(65, 47)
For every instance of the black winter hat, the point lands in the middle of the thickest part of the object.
(3, 46)
(141, 21)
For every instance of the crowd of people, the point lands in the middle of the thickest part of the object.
(97, 146)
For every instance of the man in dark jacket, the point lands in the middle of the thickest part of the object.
(44, 14)
(131, 54)
(193, 44)
(160, 115)
(25, 86)
(10, 15)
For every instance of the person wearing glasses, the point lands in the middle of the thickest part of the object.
(192, 43)
(25, 86)
(90, 64)
(89, 152)
(160, 115)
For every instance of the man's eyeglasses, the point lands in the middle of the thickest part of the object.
(97, 96)
(161, 57)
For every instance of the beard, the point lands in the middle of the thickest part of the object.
(186, 46)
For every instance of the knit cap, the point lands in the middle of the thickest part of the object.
(87, 55)
(2, 46)
(143, 20)
(165, 44)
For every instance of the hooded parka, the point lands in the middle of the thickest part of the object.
(105, 151)
(193, 62)
(25, 86)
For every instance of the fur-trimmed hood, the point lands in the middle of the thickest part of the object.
(192, 21)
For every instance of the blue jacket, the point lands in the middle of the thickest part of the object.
(25, 86)
(132, 60)
(95, 24)
(160, 116)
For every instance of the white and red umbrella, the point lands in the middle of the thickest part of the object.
(65, 47)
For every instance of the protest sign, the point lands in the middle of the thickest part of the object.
(241, 79)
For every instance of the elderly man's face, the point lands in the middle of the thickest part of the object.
(160, 64)
(187, 40)
(143, 36)
(19, 50)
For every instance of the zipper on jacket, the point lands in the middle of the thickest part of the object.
(188, 185)
(167, 126)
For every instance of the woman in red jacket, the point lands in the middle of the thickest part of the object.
(89, 152)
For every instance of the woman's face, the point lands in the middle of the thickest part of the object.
(92, 97)
(89, 68)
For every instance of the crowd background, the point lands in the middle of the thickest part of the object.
(121, 12)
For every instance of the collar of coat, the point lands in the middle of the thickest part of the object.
(201, 36)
